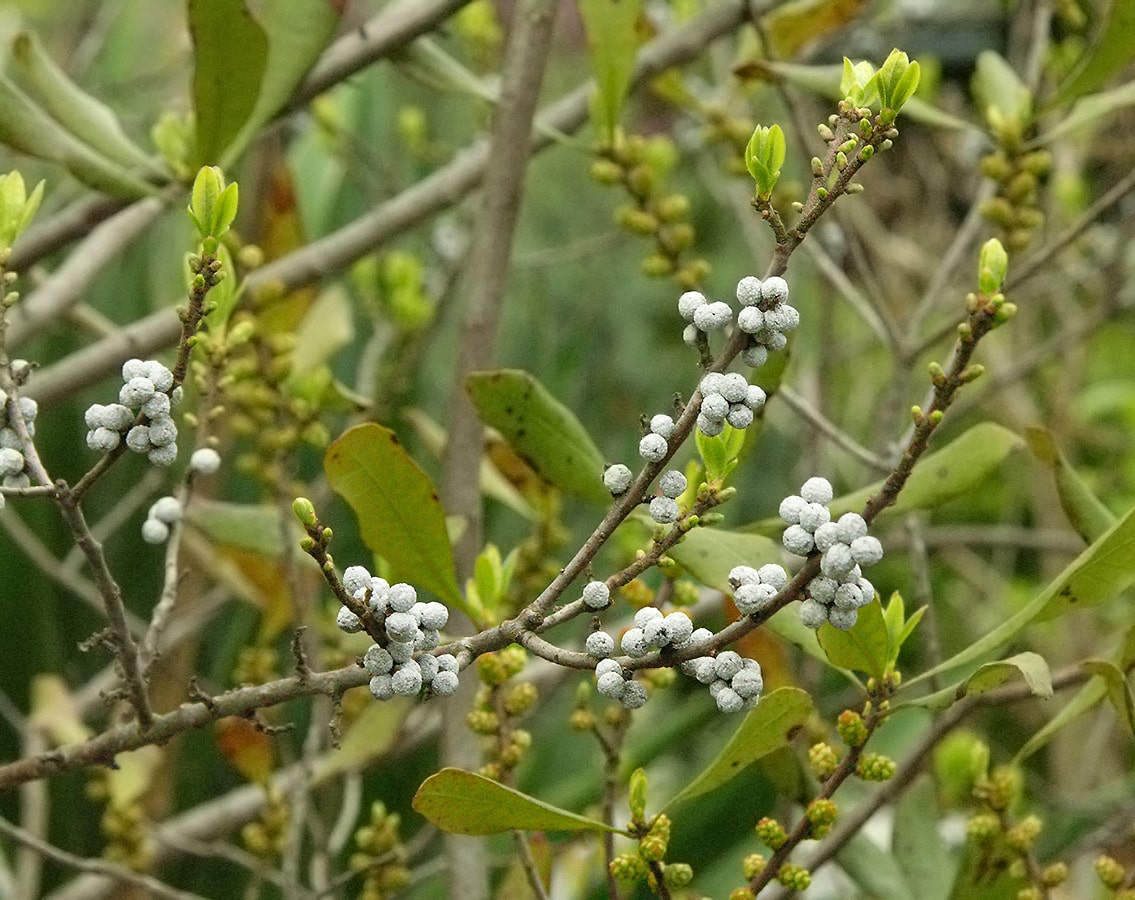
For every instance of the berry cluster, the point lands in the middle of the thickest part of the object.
(411, 627)
(12, 463)
(652, 631)
(735, 681)
(754, 588)
(147, 392)
(840, 590)
(164, 512)
(766, 316)
(728, 398)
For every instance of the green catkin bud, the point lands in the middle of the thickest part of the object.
(581, 720)
(823, 760)
(1030, 893)
(821, 814)
(491, 670)
(771, 833)
(672, 208)
(1109, 871)
(637, 795)
(851, 728)
(678, 875)
(742, 893)
(1054, 874)
(521, 699)
(652, 848)
(982, 828)
(875, 767)
(605, 171)
(794, 877)
(628, 867)
(1022, 836)
(483, 721)
(1000, 789)
(753, 865)
(514, 658)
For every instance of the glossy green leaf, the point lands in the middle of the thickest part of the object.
(464, 803)
(764, 155)
(84, 116)
(400, 515)
(955, 470)
(865, 647)
(720, 453)
(1030, 666)
(297, 32)
(1098, 574)
(917, 846)
(612, 39)
(1118, 690)
(1003, 98)
(426, 62)
(767, 727)
(542, 431)
(24, 126)
(230, 53)
(1084, 510)
(1108, 55)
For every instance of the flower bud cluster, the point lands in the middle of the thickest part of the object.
(754, 588)
(766, 316)
(164, 512)
(148, 391)
(838, 593)
(12, 462)
(727, 397)
(411, 627)
(735, 682)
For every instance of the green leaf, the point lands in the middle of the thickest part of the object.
(764, 155)
(956, 470)
(1100, 107)
(298, 31)
(427, 63)
(918, 848)
(399, 512)
(612, 38)
(1112, 50)
(865, 647)
(230, 53)
(1084, 510)
(85, 117)
(544, 432)
(992, 264)
(1118, 690)
(24, 126)
(1004, 99)
(1088, 697)
(464, 803)
(875, 871)
(1030, 666)
(251, 527)
(720, 453)
(767, 727)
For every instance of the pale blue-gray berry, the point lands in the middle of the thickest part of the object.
(652, 447)
(773, 574)
(729, 663)
(656, 633)
(136, 392)
(728, 700)
(681, 627)
(826, 536)
(823, 589)
(346, 620)
(713, 316)
(11, 462)
(672, 484)
(382, 687)
(812, 613)
(645, 615)
(355, 579)
(378, 661)
(596, 595)
(817, 490)
(401, 627)
(617, 479)
(866, 550)
(402, 597)
(837, 562)
(740, 575)
(432, 615)
(691, 334)
(843, 619)
(782, 318)
(851, 526)
(634, 642)
(711, 383)
(755, 397)
(155, 531)
(401, 651)
(749, 291)
(427, 639)
(848, 596)
(600, 644)
(407, 680)
(710, 427)
(776, 341)
(813, 516)
(166, 509)
(705, 669)
(447, 662)
(163, 456)
(774, 289)
(205, 461)
(739, 416)
(634, 695)
(734, 387)
(752, 598)
(611, 684)
(163, 431)
(444, 683)
(662, 424)
(429, 667)
(791, 507)
(714, 406)
(748, 682)
(605, 666)
(663, 510)
(798, 540)
(755, 357)
(689, 303)
(751, 320)
(867, 589)
(157, 406)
